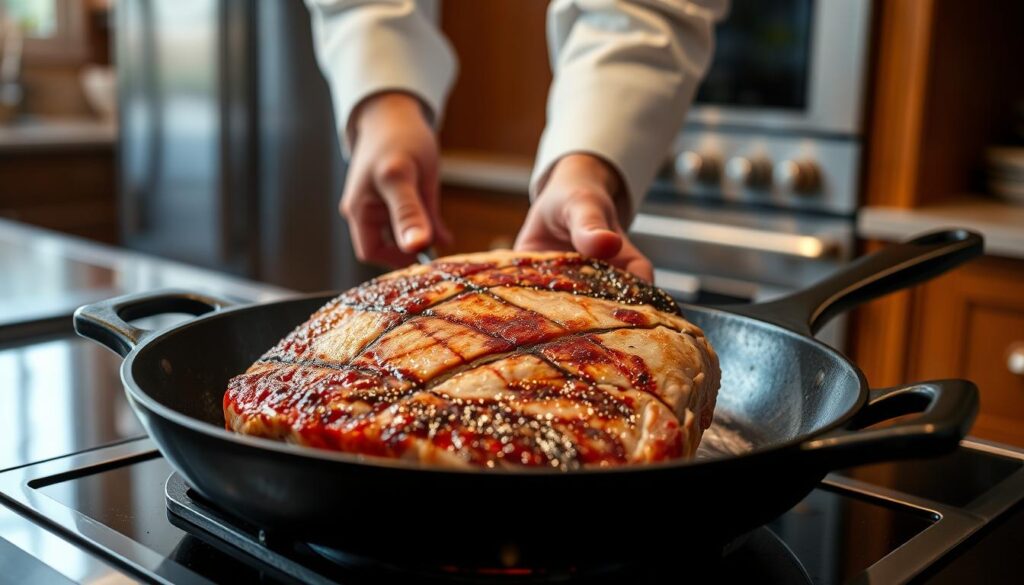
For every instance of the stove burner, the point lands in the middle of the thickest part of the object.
(507, 568)
(760, 556)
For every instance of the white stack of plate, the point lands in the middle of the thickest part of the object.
(1006, 172)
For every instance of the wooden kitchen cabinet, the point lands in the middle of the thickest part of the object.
(967, 323)
(481, 219)
(69, 190)
(926, 137)
(964, 324)
(495, 115)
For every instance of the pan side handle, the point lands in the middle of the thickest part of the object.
(947, 411)
(107, 322)
(896, 267)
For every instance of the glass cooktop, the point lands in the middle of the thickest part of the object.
(856, 524)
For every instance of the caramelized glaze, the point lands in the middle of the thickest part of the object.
(439, 363)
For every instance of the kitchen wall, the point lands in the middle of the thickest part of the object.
(497, 104)
(495, 114)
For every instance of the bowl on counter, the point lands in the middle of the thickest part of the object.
(99, 84)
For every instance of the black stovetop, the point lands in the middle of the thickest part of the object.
(938, 520)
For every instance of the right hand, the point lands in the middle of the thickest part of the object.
(391, 199)
(578, 209)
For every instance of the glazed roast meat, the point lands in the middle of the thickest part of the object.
(498, 359)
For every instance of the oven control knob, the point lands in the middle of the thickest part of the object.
(801, 177)
(755, 172)
(693, 167)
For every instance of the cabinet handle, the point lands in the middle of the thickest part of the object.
(1015, 358)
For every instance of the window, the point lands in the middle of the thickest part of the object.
(37, 19)
(53, 30)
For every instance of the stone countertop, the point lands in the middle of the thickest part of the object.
(48, 274)
(57, 133)
(1001, 223)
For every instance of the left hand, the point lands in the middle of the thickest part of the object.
(577, 210)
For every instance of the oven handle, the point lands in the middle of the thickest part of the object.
(678, 284)
(746, 238)
(688, 287)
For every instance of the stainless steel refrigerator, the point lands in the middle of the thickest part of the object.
(229, 153)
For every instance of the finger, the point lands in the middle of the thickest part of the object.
(382, 250)
(541, 244)
(641, 267)
(397, 185)
(360, 225)
(632, 260)
(590, 230)
(369, 225)
(534, 236)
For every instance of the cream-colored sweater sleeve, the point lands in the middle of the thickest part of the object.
(368, 46)
(625, 74)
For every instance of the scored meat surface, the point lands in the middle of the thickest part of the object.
(497, 359)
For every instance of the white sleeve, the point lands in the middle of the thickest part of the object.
(625, 73)
(368, 46)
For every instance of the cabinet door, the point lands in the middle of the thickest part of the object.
(482, 220)
(70, 189)
(970, 324)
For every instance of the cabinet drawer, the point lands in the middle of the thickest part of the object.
(968, 324)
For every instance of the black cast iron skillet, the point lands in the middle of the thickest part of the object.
(796, 407)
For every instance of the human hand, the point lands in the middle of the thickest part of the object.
(391, 199)
(576, 210)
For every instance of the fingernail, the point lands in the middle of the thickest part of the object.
(413, 235)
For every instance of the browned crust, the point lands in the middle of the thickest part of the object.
(398, 367)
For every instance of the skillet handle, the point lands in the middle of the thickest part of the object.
(896, 267)
(107, 322)
(947, 408)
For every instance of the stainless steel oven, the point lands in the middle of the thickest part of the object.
(714, 254)
(790, 65)
(778, 119)
(758, 196)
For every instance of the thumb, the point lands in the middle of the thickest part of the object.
(397, 186)
(590, 229)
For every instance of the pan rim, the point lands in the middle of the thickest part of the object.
(140, 398)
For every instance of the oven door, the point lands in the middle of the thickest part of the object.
(795, 65)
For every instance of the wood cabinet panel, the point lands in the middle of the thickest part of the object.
(966, 324)
(993, 332)
(73, 191)
(903, 43)
(944, 83)
(498, 101)
(480, 219)
(879, 335)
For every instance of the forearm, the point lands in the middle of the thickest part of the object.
(625, 73)
(366, 47)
